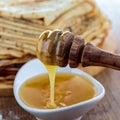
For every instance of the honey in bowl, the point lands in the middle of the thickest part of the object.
(69, 89)
(51, 91)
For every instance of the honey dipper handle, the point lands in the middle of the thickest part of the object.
(93, 56)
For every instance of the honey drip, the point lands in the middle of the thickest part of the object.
(47, 56)
(51, 72)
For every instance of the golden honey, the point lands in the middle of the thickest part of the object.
(69, 89)
(51, 72)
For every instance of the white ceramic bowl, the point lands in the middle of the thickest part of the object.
(72, 112)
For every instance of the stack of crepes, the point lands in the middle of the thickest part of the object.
(22, 21)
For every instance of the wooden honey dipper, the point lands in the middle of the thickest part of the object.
(62, 48)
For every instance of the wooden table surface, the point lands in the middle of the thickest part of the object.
(109, 107)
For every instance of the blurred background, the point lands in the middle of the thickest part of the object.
(109, 108)
(111, 8)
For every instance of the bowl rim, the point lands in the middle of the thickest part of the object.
(36, 110)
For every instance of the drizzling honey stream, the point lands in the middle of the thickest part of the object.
(49, 53)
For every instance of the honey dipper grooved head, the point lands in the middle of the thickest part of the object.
(63, 48)
(76, 52)
(59, 48)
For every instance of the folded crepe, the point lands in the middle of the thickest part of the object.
(22, 21)
(82, 18)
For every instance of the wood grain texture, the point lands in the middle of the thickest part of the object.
(94, 56)
(109, 107)
(110, 44)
